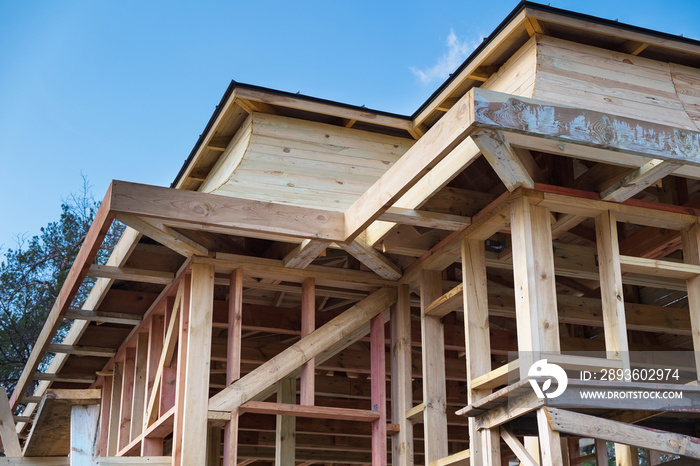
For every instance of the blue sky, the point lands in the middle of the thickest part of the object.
(122, 89)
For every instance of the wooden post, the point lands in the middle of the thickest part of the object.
(601, 452)
(285, 433)
(140, 382)
(434, 388)
(105, 401)
(691, 255)
(535, 290)
(115, 409)
(476, 335)
(127, 397)
(153, 446)
(378, 375)
(401, 378)
(198, 356)
(536, 304)
(213, 446)
(308, 325)
(168, 380)
(613, 304)
(233, 361)
(83, 434)
(184, 317)
(8, 434)
(611, 294)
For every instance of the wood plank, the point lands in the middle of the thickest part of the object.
(115, 408)
(104, 317)
(35, 461)
(130, 274)
(401, 377)
(460, 458)
(156, 330)
(550, 440)
(81, 350)
(164, 235)
(658, 268)
(594, 129)
(503, 159)
(135, 461)
(329, 336)
(584, 425)
(84, 421)
(127, 397)
(8, 434)
(233, 362)
(306, 411)
(105, 402)
(433, 358)
(201, 210)
(196, 388)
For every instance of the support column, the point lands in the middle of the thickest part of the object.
(140, 381)
(691, 255)
(308, 325)
(477, 341)
(601, 452)
(104, 416)
(153, 446)
(181, 374)
(433, 353)
(114, 409)
(127, 398)
(535, 303)
(285, 441)
(401, 378)
(233, 361)
(83, 434)
(378, 375)
(613, 305)
(198, 361)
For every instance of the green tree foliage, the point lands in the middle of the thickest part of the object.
(32, 274)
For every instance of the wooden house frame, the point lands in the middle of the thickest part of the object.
(328, 284)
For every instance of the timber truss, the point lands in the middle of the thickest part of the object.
(231, 329)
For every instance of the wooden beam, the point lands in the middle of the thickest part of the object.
(127, 397)
(378, 378)
(550, 440)
(282, 408)
(433, 357)
(308, 325)
(115, 404)
(78, 271)
(503, 159)
(516, 447)
(691, 255)
(233, 361)
(130, 274)
(140, 383)
(305, 253)
(658, 268)
(68, 378)
(437, 142)
(611, 290)
(426, 219)
(448, 302)
(81, 350)
(532, 117)
(461, 458)
(202, 210)
(329, 336)
(164, 235)
(156, 330)
(104, 317)
(8, 434)
(373, 259)
(584, 425)
(196, 389)
(401, 377)
(638, 180)
(432, 182)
